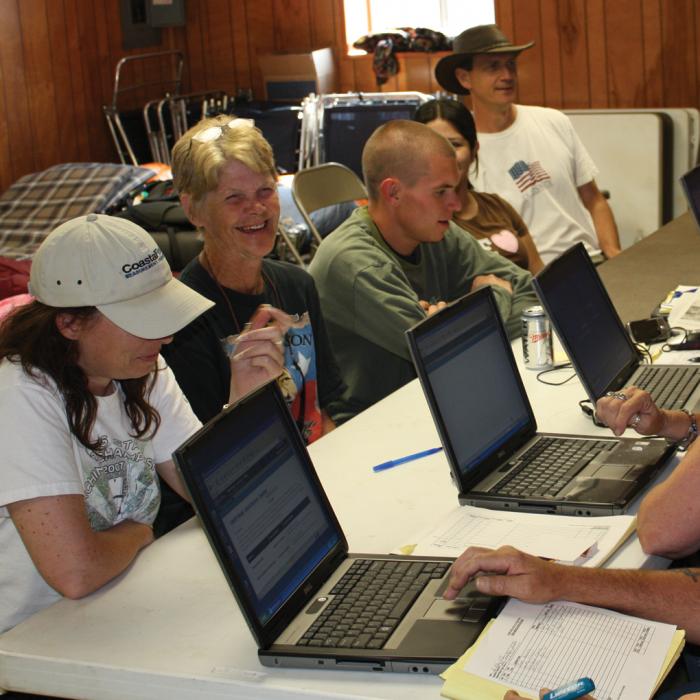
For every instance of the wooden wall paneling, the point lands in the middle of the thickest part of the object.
(551, 55)
(194, 47)
(323, 25)
(108, 32)
(241, 50)
(652, 53)
(346, 73)
(16, 91)
(67, 124)
(433, 60)
(598, 32)
(205, 76)
(261, 39)
(575, 90)
(414, 73)
(344, 64)
(680, 53)
(219, 55)
(38, 66)
(527, 28)
(625, 60)
(505, 16)
(696, 24)
(6, 177)
(292, 26)
(91, 78)
(365, 80)
(82, 113)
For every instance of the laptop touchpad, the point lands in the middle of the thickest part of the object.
(613, 471)
(446, 610)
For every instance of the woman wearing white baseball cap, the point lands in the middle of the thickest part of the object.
(90, 412)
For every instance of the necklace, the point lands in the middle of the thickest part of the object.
(267, 282)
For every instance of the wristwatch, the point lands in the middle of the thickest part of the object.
(692, 433)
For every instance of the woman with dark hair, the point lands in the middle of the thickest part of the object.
(487, 217)
(90, 412)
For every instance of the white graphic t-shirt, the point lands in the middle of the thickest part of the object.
(537, 164)
(42, 458)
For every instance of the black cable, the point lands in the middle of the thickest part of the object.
(556, 368)
(587, 407)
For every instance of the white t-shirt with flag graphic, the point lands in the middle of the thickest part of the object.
(537, 164)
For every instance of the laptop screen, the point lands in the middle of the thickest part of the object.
(691, 187)
(585, 320)
(474, 385)
(346, 128)
(255, 491)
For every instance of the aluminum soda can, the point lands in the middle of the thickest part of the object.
(537, 339)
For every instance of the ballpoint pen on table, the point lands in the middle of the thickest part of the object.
(402, 460)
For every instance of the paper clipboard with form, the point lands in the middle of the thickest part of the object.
(528, 647)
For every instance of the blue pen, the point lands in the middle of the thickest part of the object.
(402, 460)
(571, 691)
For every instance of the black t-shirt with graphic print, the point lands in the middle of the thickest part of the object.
(198, 355)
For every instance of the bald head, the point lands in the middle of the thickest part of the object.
(400, 149)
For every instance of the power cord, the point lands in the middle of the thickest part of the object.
(555, 368)
(587, 407)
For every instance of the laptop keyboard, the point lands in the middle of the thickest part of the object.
(548, 466)
(670, 387)
(369, 601)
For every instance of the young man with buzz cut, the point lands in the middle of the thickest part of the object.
(401, 258)
(530, 156)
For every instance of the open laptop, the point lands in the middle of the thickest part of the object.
(286, 558)
(597, 343)
(691, 186)
(498, 459)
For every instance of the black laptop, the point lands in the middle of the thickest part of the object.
(308, 603)
(498, 459)
(597, 343)
(691, 186)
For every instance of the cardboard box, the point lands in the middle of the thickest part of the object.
(292, 76)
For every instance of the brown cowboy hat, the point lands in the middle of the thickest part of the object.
(486, 38)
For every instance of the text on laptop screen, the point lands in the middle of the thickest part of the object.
(586, 320)
(266, 510)
(472, 380)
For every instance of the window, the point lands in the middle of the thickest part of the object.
(447, 16)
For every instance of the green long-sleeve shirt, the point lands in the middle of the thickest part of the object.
(370, 295)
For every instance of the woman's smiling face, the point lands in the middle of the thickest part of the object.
(241, 212)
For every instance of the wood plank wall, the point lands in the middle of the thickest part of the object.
(57, 61)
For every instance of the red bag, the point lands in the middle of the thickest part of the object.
(14, 276)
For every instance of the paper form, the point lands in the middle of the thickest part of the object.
(529, 647)
(683, 306)
(564, 538)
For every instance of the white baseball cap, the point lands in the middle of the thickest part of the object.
(113, 264)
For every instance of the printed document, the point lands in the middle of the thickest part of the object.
(528, 647)
(580, 541)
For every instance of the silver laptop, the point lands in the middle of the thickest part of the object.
(486, 424)
(597, 343)
(307, 601)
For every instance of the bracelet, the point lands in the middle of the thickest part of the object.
(692, 431)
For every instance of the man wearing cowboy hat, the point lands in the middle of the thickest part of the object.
(529, 155)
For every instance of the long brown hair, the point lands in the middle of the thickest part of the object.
(30, 336)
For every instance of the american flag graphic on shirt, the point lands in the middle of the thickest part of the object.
(525, 176)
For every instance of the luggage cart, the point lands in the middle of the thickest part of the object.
(169, 82)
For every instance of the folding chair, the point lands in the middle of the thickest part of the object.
(322, 186)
